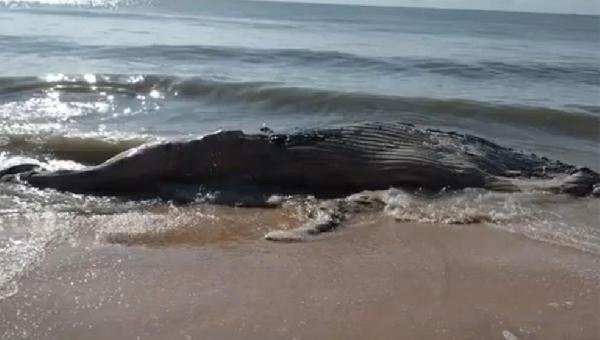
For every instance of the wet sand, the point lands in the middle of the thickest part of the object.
(373, 279)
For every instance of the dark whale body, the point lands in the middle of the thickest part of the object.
(327, 162)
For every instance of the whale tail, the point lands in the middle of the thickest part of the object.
(9, 173)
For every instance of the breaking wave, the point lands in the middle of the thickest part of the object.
(80, 149)
(276, 97)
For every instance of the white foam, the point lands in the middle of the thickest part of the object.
(31, 219)
(508, 335)
(553, 218)
(25, 247)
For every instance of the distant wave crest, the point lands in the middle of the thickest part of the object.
(581, 73)
(66, 3)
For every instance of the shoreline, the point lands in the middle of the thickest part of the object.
(375, 278)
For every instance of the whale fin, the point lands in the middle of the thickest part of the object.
(328, 216)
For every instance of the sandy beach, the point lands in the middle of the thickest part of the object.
(373, 279)
(468, 130)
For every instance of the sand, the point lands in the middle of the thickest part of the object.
(373, 279)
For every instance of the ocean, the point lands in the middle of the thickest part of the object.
(83, 80)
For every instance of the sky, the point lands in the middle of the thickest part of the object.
(550, 6)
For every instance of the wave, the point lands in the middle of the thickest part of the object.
(105, 10)
(68, 3)
(278, 98)
(80, 149)
(482, 69)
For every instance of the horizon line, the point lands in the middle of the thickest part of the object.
(315, 2)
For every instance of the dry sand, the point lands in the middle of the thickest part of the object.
(374, 279)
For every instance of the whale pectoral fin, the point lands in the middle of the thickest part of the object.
(327, 217)
(294, 235)
(304, 232)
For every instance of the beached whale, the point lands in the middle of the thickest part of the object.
(326, 162)
(332, 162)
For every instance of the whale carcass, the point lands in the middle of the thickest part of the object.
(331, 162)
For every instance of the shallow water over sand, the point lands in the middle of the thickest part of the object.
(377, 278)
(61, 217)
